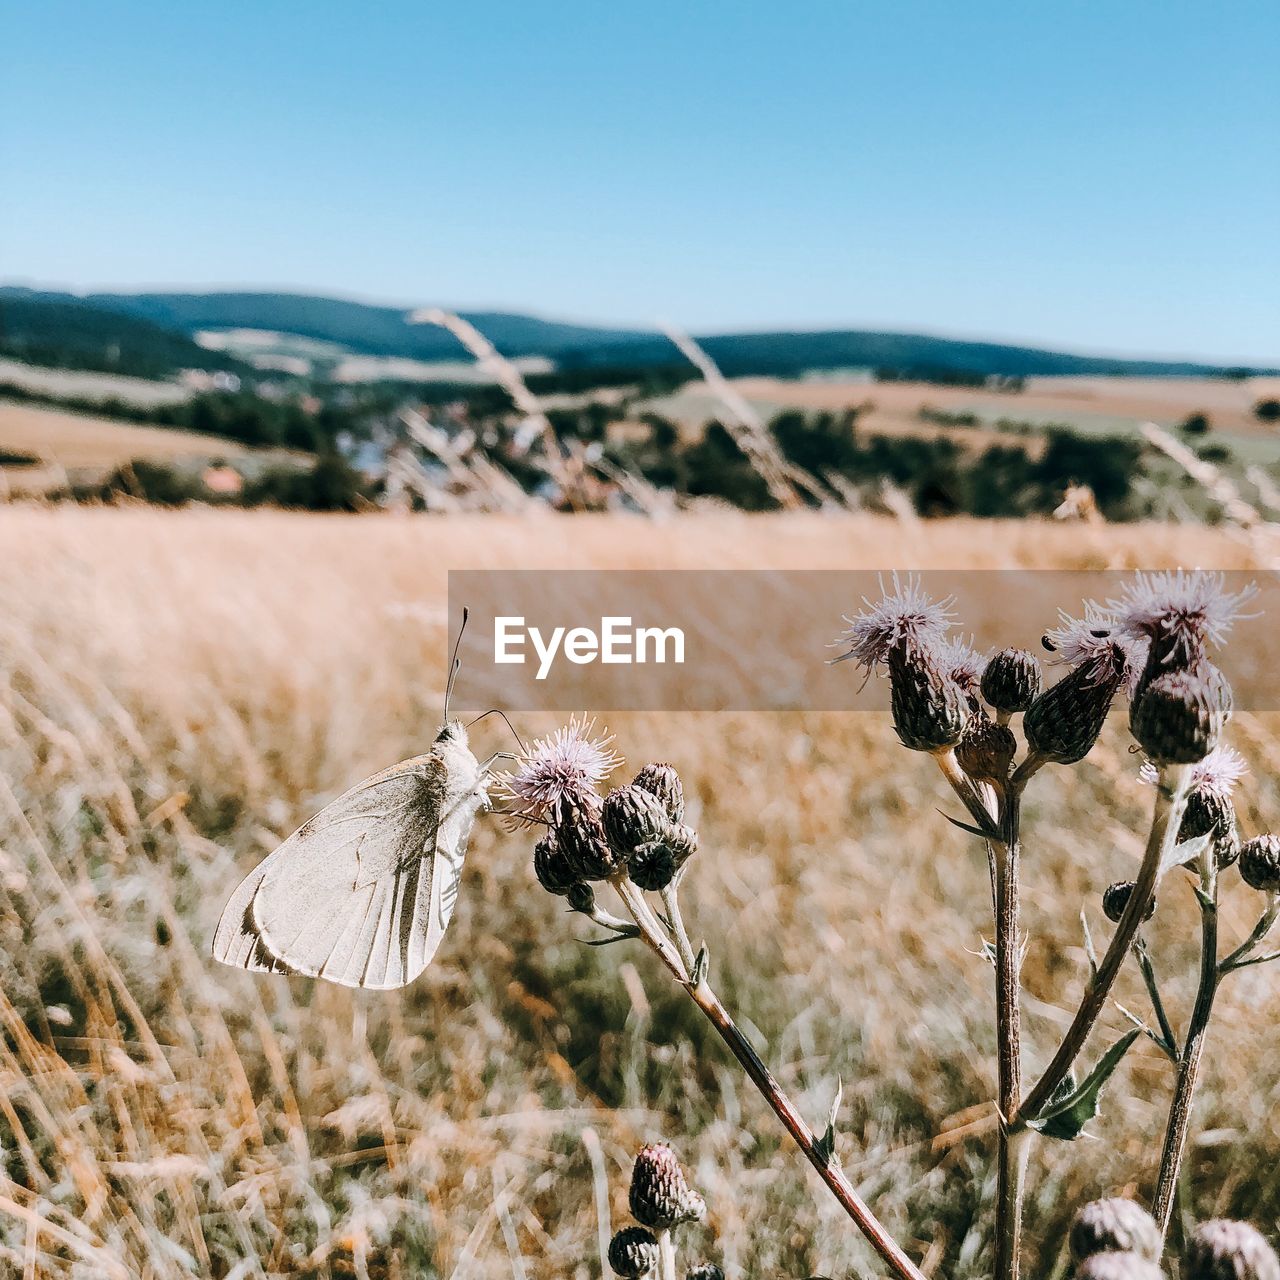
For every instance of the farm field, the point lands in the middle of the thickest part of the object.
(179, 690)
(1090, 405)
(80, 447)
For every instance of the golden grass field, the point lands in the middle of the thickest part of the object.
(179, 690)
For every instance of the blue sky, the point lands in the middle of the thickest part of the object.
(1094, 175)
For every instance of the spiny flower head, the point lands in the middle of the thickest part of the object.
(1217, 774)
(1188, 608)
(661, 1196)
(1114, 1225)
(907, 615)
(1118, 1266)
(958, 659)
(1224, 1250)
(1094, 644)
(565, 765)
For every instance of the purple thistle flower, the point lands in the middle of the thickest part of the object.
(1191, 607)
(962, 662)
(1217, 774)
(907, 615)
(1095, 644)
(565, 765)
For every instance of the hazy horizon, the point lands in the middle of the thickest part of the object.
(640, 325)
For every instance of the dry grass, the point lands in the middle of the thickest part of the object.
(180, 689)
(75, 440)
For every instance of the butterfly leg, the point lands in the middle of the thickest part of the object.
(488, 764)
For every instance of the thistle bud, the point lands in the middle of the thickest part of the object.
(633, 1253)
(653, 865)
(660, 1196)
(580, 834)
(1115, 898)
(1260, 863)
(1012, 680)
(632, 816)
(986, 749)
(1118, 1266)
(1114, 1226)
(1210, 813)
(663, 781)
(929, 708)
(705, 1271)
(556, 874)
(1064, 722)
(1222, 1250)
(1178, 718)
(582, 897)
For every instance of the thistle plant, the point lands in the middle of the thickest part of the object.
(634, 843)
(661, 1200)
(1152, 647)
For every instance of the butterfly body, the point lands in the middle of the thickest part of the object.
(362, 893)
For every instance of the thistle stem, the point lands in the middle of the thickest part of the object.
(671, 900)
(666, 1256)
(1168, 1035)
(1180, 1110)
(1011, 1154)
(1240, 956)
(1171, 794)
(705, 998)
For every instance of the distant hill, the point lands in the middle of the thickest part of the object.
(68, 332)
(163, 324)
(360, 327)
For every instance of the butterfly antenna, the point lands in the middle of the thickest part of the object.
(454, 663)
(497, 711)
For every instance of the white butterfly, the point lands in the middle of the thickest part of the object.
(363, 892)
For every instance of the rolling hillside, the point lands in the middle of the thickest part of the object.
(161, 326)
(76, 333)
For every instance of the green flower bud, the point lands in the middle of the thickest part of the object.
(633, 1253)
(663, 781)
(580, 834)
(1012, 680)
(654, 864)
(1223, 1250)
(661, 1198)
(1114, 1225)
(556, 874)
(1260, 863)
(1064, 722)
(986, 749)
(1115, 898)
(633, 816)
(1210, 813)
(929, 708)
(1178, 718)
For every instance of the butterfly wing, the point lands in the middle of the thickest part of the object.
(353, 895)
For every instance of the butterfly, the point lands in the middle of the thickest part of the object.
(362, 893)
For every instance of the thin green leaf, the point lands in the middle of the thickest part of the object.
(1065, 1120)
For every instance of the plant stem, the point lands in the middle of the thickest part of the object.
(705, 998)
(1169, 1038)
(671, 900)
(1010, 1163)
(1011, 1154)
(1171, 791)
(1180, 1111)
(1240, 956)
(666, 1256)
